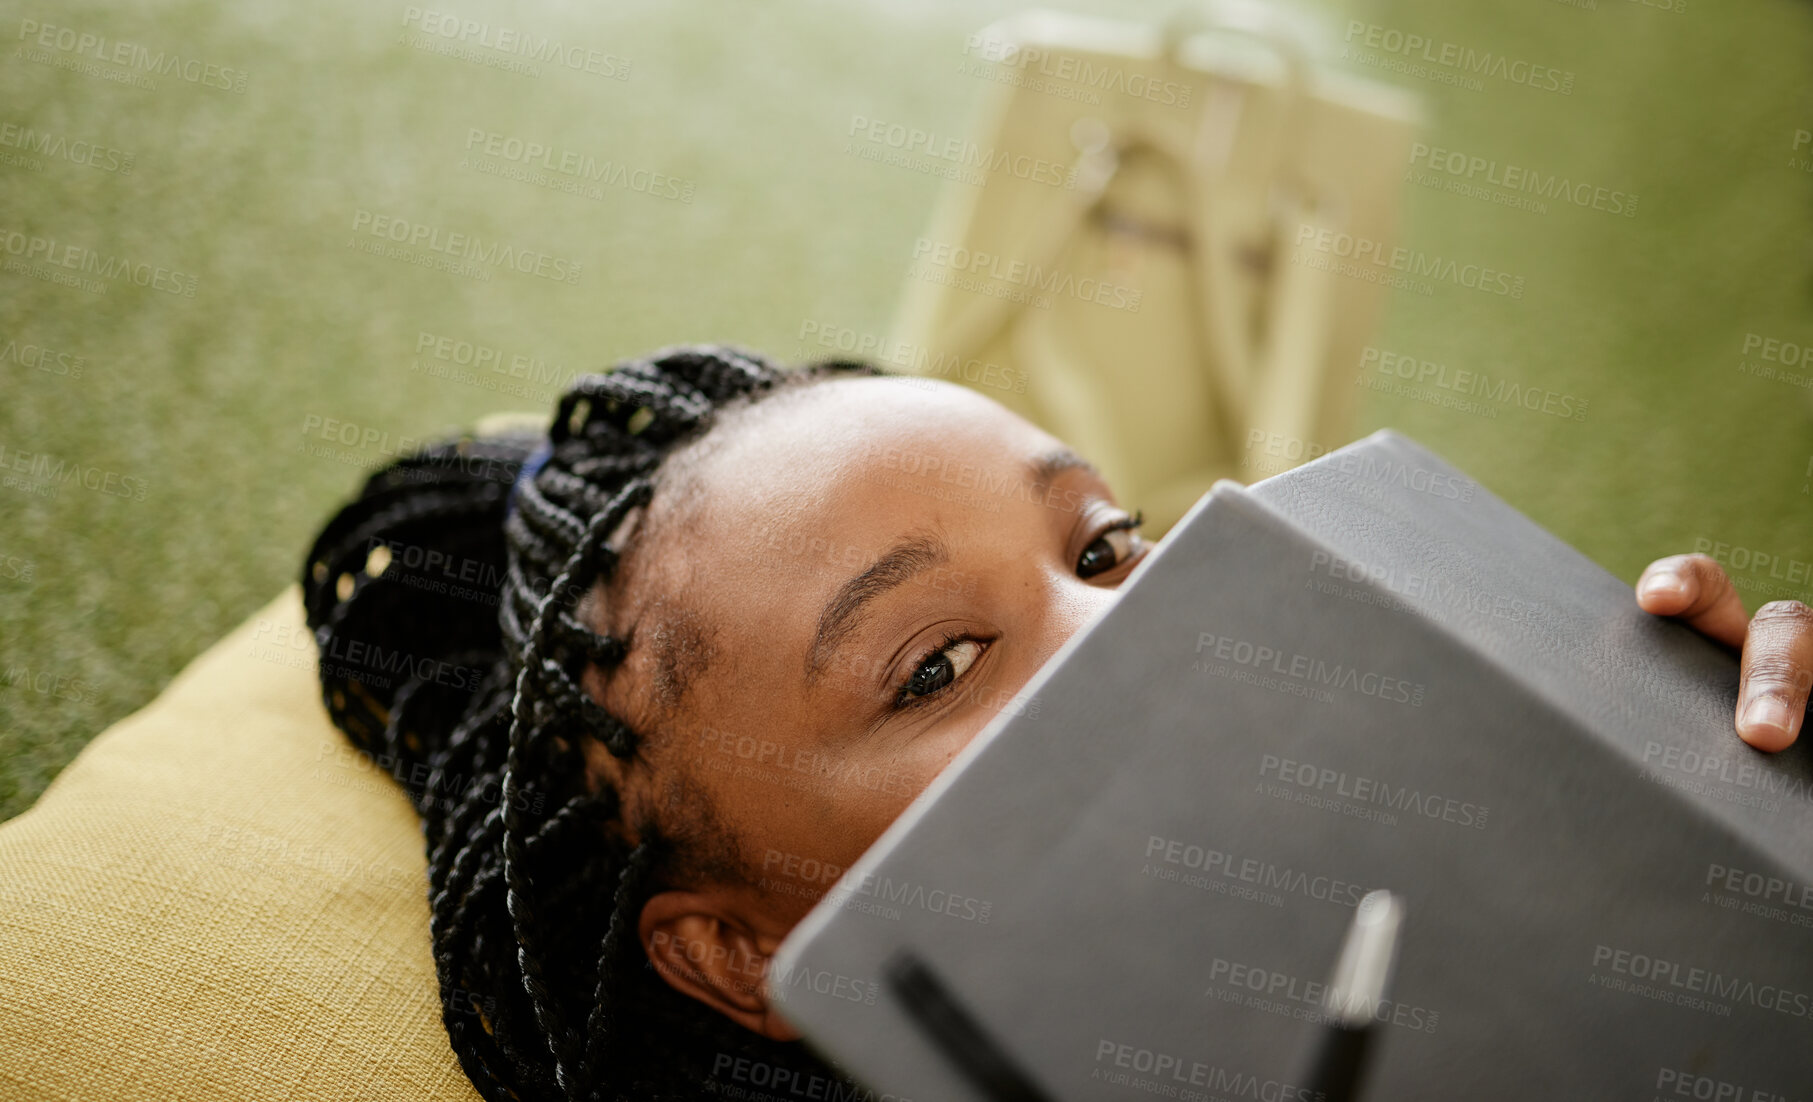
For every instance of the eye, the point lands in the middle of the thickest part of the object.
(1118, 543)
(939, 667)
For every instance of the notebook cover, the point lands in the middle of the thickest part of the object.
(1366, 672)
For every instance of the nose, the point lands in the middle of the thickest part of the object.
(1054, 616)
(1054, 612)
(1074, 605)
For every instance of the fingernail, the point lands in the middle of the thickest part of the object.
(1767, 712)
(1663, 583)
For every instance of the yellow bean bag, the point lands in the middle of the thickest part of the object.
(219, 899)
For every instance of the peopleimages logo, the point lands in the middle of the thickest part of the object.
(1734, 773)
(1427, 587)
(780, 868)
(1736, 557)
(1074, 69)
(516, 43)
(34, 249)
(1413, 263)
(761, 1081)
(1279, 992)
(571, 168)
(776, 760)
(1325, 780)
(1522, 180)
(38, 468)
(917, 358)
(1474, 384)
(1776, 350)
(421, 235)
(1458, 59)
(1769, 889)
(1306, 668)
(1677, 982)
(1020, 273)
(48, 360)
(960, 152)
(130, 55)
(477, 355)
(1253, 870)
(1171, 1076)
(49, 684)
(59, 147)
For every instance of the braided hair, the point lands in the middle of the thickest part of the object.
(444, 603)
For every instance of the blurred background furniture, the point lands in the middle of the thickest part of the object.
(1129, 267)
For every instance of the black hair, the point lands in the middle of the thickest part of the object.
(444, 604)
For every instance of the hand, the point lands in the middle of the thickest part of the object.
(1777, 664)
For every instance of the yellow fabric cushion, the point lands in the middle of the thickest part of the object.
(219, 899)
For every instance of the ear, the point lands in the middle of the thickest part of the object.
(701, 948)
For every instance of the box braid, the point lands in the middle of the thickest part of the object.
(468, 692)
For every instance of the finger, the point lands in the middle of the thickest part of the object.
(1776, 671)
(1695, 589)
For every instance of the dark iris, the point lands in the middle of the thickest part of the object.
(1099, 556)
(931, 676)
(1114, 547)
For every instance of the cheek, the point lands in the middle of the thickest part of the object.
(805, 822)
(878, 789)
(806, 798)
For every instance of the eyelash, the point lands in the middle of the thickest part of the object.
(1125, 523)
(903, 702)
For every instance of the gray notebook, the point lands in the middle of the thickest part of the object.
(1368, 672)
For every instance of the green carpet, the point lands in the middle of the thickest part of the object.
(204, 411)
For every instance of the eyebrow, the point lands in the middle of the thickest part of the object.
(904, 561)
(1048, 465)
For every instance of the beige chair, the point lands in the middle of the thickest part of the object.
(1130, 258)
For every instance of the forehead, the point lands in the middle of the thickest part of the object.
(852, 452)
(784, 501)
